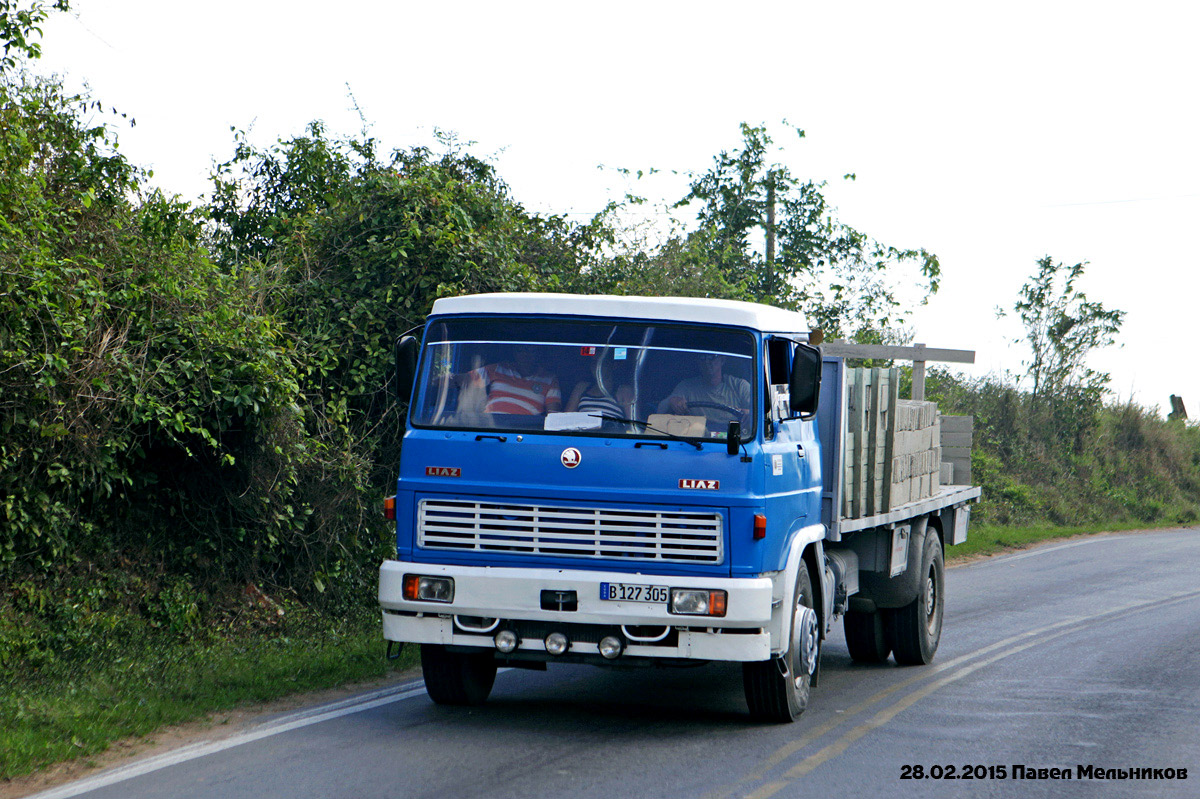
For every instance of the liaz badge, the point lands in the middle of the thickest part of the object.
(711, 485)
(443, 471)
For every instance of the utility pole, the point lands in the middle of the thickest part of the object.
(770, 236)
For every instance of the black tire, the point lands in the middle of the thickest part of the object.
(865, 636)
(457, 678)
(773, 692)
(915, 630)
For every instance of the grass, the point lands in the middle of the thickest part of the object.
(78, 708)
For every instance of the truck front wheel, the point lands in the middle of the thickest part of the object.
(457, 678)
(916, 629)
(777, 689)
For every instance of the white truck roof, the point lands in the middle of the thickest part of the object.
(676, 309)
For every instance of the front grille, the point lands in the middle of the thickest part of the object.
(649, 535)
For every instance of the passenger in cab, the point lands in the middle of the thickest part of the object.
(520, 386)
(601, 394)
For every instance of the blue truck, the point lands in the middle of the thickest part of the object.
(652, 481)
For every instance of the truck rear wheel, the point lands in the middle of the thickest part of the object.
(778, 689)
(865, 636)
(915, 630)
(457, 678)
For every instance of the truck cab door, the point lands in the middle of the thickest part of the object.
(791, 456)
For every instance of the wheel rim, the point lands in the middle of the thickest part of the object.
(804, 644)
(931, 600)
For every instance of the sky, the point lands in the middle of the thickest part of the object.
(989, 134)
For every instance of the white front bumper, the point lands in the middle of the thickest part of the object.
(515, 594)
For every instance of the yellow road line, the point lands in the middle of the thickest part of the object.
(787, 750)
(884, 716)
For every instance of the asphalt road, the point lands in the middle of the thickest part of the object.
(1077, 653)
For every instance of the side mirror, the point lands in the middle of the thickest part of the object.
(406, 366)
(733, 437)
(804, 386)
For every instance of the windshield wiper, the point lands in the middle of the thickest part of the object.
(647, 426)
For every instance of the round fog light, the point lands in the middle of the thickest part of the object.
(611, 647)
(506, 641)
(556, 643)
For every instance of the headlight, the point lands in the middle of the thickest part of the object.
(697, 602)
(421, 588)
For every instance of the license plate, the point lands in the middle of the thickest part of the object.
(628, 592)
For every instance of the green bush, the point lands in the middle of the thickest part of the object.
(150, 404)
(1071, 460)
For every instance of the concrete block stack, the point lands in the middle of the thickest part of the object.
(871, 396)
(893, 447)
(916, 452)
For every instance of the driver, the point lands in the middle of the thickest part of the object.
(711, 386)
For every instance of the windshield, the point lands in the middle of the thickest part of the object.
(626, 379)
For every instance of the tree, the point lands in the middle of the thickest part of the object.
(1062, 327)
(841, 277)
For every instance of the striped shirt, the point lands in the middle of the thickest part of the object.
(602, 404)
(509, 392)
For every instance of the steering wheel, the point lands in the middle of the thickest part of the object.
(734, 412)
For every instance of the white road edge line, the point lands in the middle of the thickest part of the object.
(183, 754)
(1044, 550)
(1097, 539)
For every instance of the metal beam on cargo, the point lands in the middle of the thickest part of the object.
(919, 354)
(843, 349)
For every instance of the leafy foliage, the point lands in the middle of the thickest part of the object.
(839, 276)
(146, 401)
(19, 25)
(682, 267)
(258, 197)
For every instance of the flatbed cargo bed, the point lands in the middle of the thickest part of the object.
(947, 497)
